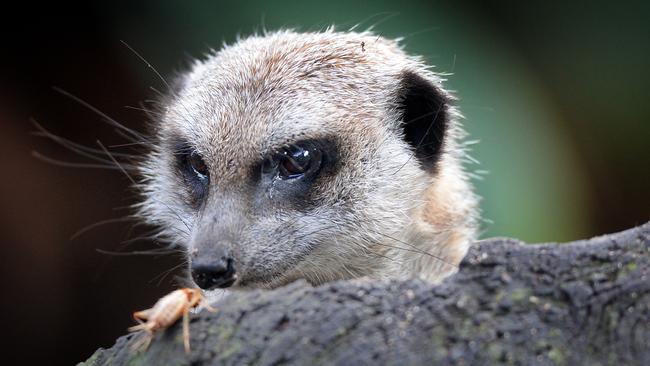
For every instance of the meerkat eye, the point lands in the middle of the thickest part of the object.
(192, 169)
(197, 164)
(297, 161)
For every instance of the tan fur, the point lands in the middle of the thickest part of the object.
(382, 215)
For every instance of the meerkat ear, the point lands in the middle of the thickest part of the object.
(424, 117)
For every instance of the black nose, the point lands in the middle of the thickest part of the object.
(214, 274)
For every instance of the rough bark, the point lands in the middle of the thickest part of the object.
(586, 302)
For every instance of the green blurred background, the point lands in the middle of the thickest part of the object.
(556, 93)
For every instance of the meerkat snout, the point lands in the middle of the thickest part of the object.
(212, 265)
(213, 272)
(321, 156)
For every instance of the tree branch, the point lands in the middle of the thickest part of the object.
(586, 302)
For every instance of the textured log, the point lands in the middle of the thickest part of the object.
(585, 302)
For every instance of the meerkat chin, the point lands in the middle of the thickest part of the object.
(323, 156)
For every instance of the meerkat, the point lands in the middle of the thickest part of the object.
(320, 156)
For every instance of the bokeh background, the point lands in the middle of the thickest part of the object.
(556, 93)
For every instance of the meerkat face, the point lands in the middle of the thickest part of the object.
(297, 156)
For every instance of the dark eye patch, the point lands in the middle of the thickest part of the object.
(286, 176)
(192, 169)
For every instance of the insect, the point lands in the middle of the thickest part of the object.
(166, 312)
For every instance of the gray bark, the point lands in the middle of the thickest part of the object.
(581, 303)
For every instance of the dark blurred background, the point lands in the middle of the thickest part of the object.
(556, 94)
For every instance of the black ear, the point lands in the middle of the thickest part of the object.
(424, 118)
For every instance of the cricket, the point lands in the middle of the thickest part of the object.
(166, 312)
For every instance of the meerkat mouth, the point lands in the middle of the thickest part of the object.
(265, 281)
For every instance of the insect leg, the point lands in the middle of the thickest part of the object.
(208, 307)
(186, 330)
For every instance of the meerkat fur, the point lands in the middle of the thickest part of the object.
(395, 202)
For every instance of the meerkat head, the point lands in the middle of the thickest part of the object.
(320, 156)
